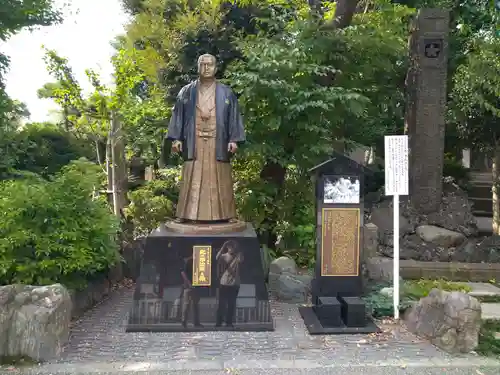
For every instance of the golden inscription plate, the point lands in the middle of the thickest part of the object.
(340, 241)
(202, 265)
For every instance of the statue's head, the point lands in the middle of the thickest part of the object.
(207, 66)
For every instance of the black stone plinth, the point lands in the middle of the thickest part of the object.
(315, 327)
(163, 303)
(328, 311)
(353, 311)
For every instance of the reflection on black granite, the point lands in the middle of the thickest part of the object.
(201, 283)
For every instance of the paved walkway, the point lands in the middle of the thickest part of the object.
(99, 345)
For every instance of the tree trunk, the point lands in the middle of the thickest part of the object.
(274, 174)
(119, 167)
(109, 169)
(496, 189)
(344, 12)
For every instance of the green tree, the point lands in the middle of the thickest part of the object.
(476, 106)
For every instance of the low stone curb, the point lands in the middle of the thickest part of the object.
(380, 269)
(235, 366)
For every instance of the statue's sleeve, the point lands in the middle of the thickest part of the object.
(236, 128)
(176, 125)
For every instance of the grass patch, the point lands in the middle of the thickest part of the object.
(488, 344)
(380, 305)
(17, 361)
(417, 289)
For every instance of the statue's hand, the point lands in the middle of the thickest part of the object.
(177, 146)
(232, 147)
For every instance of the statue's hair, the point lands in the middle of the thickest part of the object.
(206, 55)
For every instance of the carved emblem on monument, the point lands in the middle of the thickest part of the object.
(432, 48)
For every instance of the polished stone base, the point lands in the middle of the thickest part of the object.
(315, 327)
(162, 303)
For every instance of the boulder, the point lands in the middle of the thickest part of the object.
(283, 265)
(454, 214)
(285, 283)
(450, 320)
(478, 250)
(34, 321)
(289, 288)
(382, 216)
(440, 236)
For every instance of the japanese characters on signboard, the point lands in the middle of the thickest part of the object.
(202, 267)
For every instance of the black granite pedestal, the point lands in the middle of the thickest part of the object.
(162, 302)
(342, 315)
(338, 284)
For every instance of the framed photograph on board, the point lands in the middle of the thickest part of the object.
(341, 190)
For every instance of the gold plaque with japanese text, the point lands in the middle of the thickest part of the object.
(202, 265)
(340, 241)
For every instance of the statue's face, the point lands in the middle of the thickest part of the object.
(207, 67)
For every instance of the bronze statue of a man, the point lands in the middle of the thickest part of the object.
(206, 127)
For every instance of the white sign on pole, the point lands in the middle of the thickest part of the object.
(396, 184)
(396, 164)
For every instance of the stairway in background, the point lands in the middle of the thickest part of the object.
(480, 196)
(480, 193)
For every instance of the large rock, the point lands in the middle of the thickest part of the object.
(289, 288)
(450, 320)
(440, 236)
(283, 265)
(285, 283)
(455, 212)
(383, 217)
(34, 321)
(478, 250)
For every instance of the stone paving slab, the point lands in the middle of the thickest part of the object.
(483, 290)
(100, 345)
(490, 311)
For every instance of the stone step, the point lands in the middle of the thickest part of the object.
(480, 191)
(483, 290)
(490, 311)
(482, 204)
(482, 215)
(484, 224)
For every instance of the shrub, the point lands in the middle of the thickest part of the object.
(153, 203)
(55, 231)
(454, 168)
(45, 149)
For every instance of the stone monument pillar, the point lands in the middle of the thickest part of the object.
(426, 107)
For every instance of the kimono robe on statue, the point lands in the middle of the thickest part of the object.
(205, 123)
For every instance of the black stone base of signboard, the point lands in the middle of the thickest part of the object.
(328, 311)
(217, 300)
(353, 311)
(315, 327)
